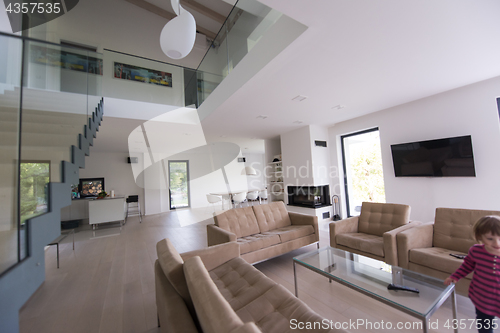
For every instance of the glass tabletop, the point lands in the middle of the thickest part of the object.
(373, 276)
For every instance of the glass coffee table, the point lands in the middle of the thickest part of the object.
(371, 277)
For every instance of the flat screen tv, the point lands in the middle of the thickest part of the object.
(448, 157)
(90, 187)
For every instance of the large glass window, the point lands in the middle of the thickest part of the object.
(363, 173)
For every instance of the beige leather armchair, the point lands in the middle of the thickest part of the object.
(373, 232)
(426, 248)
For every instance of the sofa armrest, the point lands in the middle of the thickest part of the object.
(413, 238)
(214, 256)
(344, 226)
(302, 219)
(216, 235)
(390, 243)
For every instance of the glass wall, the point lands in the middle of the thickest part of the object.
(246, 24)
(47, 94)
(10, 98)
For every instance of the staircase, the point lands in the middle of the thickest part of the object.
(55, 132)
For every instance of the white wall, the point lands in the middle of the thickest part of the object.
(116, 171)
(297, 156)
(470, 110)
(320, 156)
(140, 91)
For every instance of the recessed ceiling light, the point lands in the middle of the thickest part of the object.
(223, 136)
(298, 122)
(262, 117)
(338, 107)
(299, 98)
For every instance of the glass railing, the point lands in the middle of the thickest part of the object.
(47, 93)
(11, 50)
(248, 21)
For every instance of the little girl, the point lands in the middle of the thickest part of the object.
(484, 260)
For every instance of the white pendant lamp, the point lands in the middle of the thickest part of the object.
(178, 35)
(249, 171)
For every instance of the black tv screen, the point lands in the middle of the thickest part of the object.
(449, 157)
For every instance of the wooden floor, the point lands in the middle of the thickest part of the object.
(107, 284)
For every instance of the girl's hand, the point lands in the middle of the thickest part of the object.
(449, 280)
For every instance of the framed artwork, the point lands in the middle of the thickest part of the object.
(91, 187)
(141, 74)
(68, 60)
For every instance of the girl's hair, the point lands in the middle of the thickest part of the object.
(485, 224)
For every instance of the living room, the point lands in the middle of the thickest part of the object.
(443, 94)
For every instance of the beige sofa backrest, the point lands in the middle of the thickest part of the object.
(172, 310)
(239, 221)
(171, 263)
(272, 216)
(453, 227)
(213, 311)
(377, 218)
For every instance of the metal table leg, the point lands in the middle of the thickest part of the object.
(295, 280)
(454, 307)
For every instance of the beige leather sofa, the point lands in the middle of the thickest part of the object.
(215, 291)
(263, 231)
(373, 232)
(426, 248)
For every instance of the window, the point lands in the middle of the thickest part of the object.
(35, 177)
(363, 173)
(179, 184)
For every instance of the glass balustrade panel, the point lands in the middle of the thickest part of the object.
(248, 21)
(11, 236)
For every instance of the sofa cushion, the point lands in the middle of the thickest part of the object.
(453, 227)
(240, 283)
(377, 218)
(291, 232)
(239, 221)
(436, 258)
(274, 309)
(213, 311)
(272, 216)
(256, 242)
(362, 242)
(171, 263)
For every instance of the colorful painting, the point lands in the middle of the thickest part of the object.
(64, 59)
(135, 73)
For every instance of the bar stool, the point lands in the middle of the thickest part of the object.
(133, 202)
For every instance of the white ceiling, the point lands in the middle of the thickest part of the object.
(366, 55)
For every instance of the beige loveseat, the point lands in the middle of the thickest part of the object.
(263, 231)
(426, 248)
(373, 232)
(215, 291)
